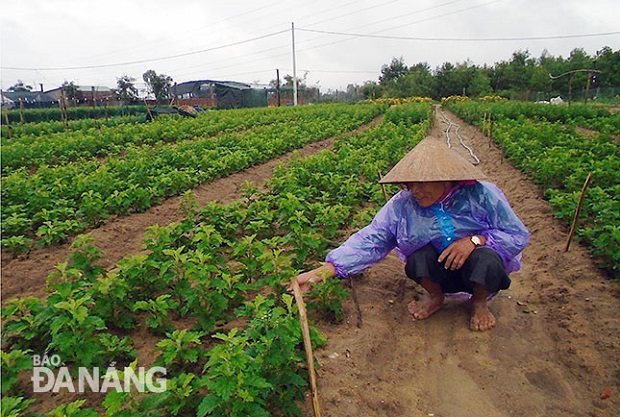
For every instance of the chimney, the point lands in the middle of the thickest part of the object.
(41, 84)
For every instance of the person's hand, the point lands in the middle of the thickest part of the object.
(306, 279)
(457, 253)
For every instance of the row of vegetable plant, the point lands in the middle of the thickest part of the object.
(57, 202)
(35, 129)
(92, 139)
(474, 110)
(210, 287)
(73, 113)
(559, 156)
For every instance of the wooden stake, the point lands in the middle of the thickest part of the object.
(21, 111)
(63, 108)
(148, 110)
(357, 304)
(577, 211)
(5, 110)
(383, 188)
(305, 330)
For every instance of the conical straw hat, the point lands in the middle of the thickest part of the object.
(432, 160)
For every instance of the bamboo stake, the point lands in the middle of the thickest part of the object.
(21, 111)
(357, 304)
(305, 330)
(5, 110)
(383, 188)
(577, 211)
(148, 110)
(63, 108)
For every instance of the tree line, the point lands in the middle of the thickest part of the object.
(522, 77)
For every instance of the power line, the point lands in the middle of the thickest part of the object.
(151, 59)
(411, 38)
(411, 23)
(185, 33)
(354, 12)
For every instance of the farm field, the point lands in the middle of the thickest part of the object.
(554, 351)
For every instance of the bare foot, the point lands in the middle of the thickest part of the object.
(481, 317)
(425, 307)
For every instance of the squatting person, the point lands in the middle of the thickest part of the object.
(455, 233)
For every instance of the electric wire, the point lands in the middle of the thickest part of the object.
(412, 38)
(142, 61)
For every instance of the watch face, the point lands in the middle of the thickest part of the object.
(476, 240)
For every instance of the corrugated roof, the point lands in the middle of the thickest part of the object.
(193, 86)
(85, 88)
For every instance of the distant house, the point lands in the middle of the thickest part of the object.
(28, 99)
(223, 94)
(86, 94)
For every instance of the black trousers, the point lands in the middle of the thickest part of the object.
(484, 266)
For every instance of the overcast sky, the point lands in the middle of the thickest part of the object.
(94, 42)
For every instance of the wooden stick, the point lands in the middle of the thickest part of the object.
(5, 110)
(63, 108)
(305, 330)
(21, 111)
(148, 110)
(577, 211)
(357, 304)
(383, 188)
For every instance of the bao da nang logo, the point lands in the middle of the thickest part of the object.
(48, 375)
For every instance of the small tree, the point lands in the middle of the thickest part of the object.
(394, 71)
(480, 84)
(20, 86)
(158, 85)
(71, 91)
(371, 90)
(125, 90)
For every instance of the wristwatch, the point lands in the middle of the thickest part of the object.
(475, 239)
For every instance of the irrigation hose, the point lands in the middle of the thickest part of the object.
(450, 124)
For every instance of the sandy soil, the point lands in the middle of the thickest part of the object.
(555, 349)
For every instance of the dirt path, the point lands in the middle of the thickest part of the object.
(555, 349)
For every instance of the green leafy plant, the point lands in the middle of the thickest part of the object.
(158, 309)
(180, 349)
(14, 406)
(235, 385)
(111, 295)
(73, 409)
(25, 326)
(13, 362)
(326, 298)
(17, 245)
(75, 333)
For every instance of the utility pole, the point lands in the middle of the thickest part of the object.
(294, 66)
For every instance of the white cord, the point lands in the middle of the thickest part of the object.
(461, 141)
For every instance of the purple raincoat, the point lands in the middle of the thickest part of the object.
(474, 208)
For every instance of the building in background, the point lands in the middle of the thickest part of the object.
(85, 95)
(220, 94)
